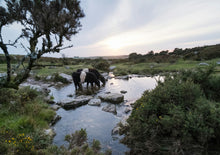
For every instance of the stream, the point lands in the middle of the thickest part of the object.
(98, 123)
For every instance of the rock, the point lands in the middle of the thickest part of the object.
(52, 67)
(67, 67)
(126, 77)
(55, 120)
(112, 67)
(218, 63)
(203, 64)
(49, 77)
(95, 102)
(112, 97)
(111, 75)
(128, 109)
(110, 108)
(129, 103)
(124, 121)
(49, 132)
(55, 107)
(115, 130)
(3, 74)
(49, 99)
(70, 95)
(78, 101)
(66, 76)
(123, 91)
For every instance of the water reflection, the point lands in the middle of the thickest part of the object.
(98, 123)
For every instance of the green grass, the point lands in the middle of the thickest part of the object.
(45, 71)
(154, 68)
(23, 112)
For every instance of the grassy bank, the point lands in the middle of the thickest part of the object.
(155, 68)
(24, 117)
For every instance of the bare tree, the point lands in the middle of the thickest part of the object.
(46, 25)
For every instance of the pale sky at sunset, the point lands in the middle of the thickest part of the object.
(120, 27)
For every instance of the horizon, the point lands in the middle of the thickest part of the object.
(121, 27)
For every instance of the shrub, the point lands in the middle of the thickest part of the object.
(101, 64)
(174, 118)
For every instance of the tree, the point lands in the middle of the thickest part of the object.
(46, 25)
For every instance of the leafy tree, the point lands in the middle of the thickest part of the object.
(46, 25)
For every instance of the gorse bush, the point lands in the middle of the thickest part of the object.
(101, 64)
(180, 116)
(23, 116)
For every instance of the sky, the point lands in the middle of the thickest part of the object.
(121, 27)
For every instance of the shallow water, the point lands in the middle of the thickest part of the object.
(99, 124)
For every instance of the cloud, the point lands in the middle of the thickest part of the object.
(123, 26)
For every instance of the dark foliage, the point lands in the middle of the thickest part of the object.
(180, 116)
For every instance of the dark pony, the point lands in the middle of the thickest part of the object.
(90, 78)
(96, 72)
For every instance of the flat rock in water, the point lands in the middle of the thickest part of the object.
(66, 76)
(55, 120)
(126, 77)
(112, 97)
(110, 108)
(55, 107)
(95, 102)
(123, 91)
(78, 101)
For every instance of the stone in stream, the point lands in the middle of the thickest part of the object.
(49, 132)
(112, 97)
(66, 76)
(95, 102)
(55, 107)
(55, 120)
(110, 108)
(127, 109)
(78, 101)
(123, 91)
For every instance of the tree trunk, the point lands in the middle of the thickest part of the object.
(8, 60)
(23, 76)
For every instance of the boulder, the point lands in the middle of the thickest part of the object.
(203, 64)
(127, 109)
(55, 120)
(3, 74)
(110, 108)
(126, 77)
(55, 107)
(49, 78)
(49, 99)
(112, 97)
(66, 76)
(49, 132)
(95, 102)
(123, 91)
(112, 67)
(78, 101)
(124, 121)
(115, 130)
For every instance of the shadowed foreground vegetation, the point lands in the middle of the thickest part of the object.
(24, 116)
(180, 116)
